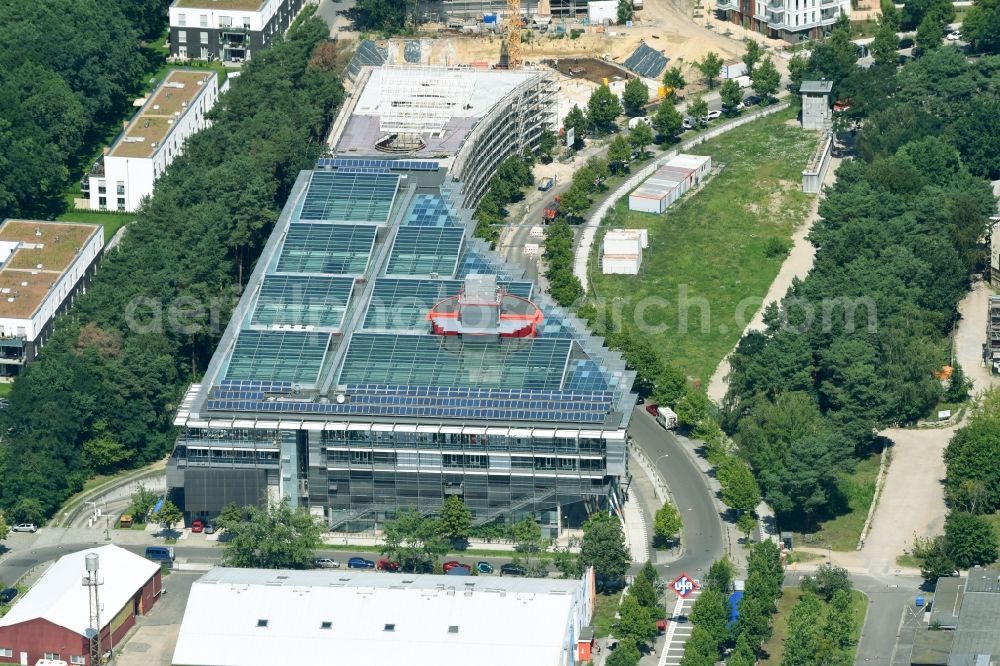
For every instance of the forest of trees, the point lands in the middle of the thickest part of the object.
(103, 394)
(68, 70)
(854, 346)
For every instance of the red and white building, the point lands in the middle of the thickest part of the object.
(51, 620)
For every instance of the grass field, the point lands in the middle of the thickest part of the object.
(843, 532)
(6, 388)
(708, 255)
(604, 613)
(111, 221)
(774, 649)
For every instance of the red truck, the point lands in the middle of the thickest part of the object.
(550, 212)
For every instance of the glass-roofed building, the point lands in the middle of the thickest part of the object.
(383, 358)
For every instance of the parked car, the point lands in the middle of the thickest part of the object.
(360, 563)
(387, 565)
(25, 527)
(713, 114)
(751, 100)
(197, 526)
(484, 567)
(8, 595)
(954, 36)
(450, 565)
(326, 563)
(651, 409)
(511, 570)
(688, 123)
(163, 554)
(209, 528)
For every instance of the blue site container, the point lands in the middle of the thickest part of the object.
(490, 18)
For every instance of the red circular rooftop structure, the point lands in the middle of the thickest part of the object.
(484, 308)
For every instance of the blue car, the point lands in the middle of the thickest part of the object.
(360, 563)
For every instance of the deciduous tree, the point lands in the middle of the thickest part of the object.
(710, 68)
(603, 548)
(667, 121)
(634, 96)
(666, 525)
(641, 136)
(455, 519)
(752, 55)
(731, 94)
(971, 539)
(414, 542)
(766, 79)
(602, 109)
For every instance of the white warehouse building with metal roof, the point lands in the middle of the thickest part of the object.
(263, 617)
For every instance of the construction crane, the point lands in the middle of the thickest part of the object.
(512, 40)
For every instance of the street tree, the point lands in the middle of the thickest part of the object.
(720, 575)
(711, 611)
(752, 55)
(743, 654)
(666, 525)
(802, 643)
(577, 121)
(649, 572)
(766, 79)
(645, 593)
(710, 68)
(746, 523)
(754, 620)
(971, 539)
(930, 32)
(603, 547)
(547, 142)
(739, 487)
(626, 654)
(625, 11)
(619, 154)
(635, 621)
(798, 68)
(840, 622)
(576, 200)
(697, 108)
(701, 649)
(667, 121)
(731, 94)
(635, 96)
(827, 581)
(531, 548)
(641, 136)
(168, 516)
(273, 537)
(412, 541)
(692, 408)
(981, 26)
(674, 80)
(455, 519)
(231, 514)
(28, 510)
(937, 563)
(602, 109)
(885, 47)
(143, 501)
(958, 385)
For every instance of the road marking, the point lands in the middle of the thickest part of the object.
(677, 635)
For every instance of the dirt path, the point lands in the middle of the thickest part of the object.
(797, 265)
(912, 500)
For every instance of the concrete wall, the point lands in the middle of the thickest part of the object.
(815, 172)
(995, 256)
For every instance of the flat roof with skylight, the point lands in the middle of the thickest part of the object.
(34, 256)
(149, 128)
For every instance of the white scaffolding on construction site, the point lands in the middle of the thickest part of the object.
(418, 100)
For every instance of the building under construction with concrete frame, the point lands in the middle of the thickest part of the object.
(383, 358)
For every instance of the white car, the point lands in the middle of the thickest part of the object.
(326, 563)
(712, 115)
(25, 527)
(688, 123)
(954, 36)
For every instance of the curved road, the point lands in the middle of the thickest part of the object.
(702, 535)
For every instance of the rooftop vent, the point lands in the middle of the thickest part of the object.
(261, 623)
(453, 629)
(24, 284)
(389, 627)
(156, 107)
(38, 231)
(39, 267)
(326, 625)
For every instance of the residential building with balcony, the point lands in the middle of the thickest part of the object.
(43, 265)
(227, 30)
(790, 20)
(383, 358)
(151, 140)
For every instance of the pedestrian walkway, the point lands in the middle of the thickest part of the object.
(679, 628)
(636, 533)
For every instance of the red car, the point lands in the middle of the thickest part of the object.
(197, 526)
(651, 408)
(387, 565)
(447, 566)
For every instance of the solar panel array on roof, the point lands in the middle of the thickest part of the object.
(647, 61)
(303, 300)
(278, 356)
(429, 360)
(402, 304)
(429, 210)
(473, 263)
(349, 196)
(425, 250)
(339, 249)
(375, 166)
(367, 54)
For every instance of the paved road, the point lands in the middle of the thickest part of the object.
(702, 536)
